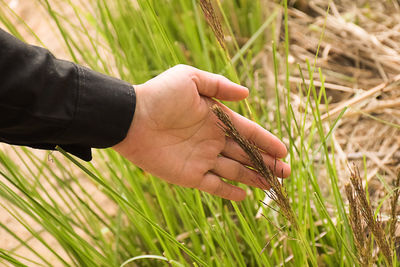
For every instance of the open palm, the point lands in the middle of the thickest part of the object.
(174, 135)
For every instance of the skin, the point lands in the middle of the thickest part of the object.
(175, 136)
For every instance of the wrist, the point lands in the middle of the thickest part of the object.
(129, 145)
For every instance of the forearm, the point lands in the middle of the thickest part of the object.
(46, 102)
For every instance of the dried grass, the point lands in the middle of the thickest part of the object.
(360, 59)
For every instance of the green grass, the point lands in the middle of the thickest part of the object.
(153, 223)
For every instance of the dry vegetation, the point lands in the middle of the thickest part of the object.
(359, 55)
(360, 58)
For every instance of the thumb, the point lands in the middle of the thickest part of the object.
(218, 86)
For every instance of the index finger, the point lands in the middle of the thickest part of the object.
(257, 134)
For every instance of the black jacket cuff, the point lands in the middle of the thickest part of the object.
(103, 114)
(45, 102)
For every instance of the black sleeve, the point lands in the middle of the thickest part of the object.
(46, 102)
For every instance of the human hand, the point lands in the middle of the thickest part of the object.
(175, 136)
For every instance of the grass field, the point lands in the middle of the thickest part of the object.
(111, 213)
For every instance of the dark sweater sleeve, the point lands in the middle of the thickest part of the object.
(45, 102)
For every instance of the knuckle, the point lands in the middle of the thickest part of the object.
(184, 68)
(180, 66)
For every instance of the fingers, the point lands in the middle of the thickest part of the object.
(235, 171)
(257, 134)
(214, 85)
(235, 152)
(212, 184)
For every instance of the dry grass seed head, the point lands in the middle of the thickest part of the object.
(367, 214)
(277, 192)
(393, 208)
(213, 21)
(361, 240)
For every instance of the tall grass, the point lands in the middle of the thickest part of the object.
(152, 223)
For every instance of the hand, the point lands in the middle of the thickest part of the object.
(174, 134)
